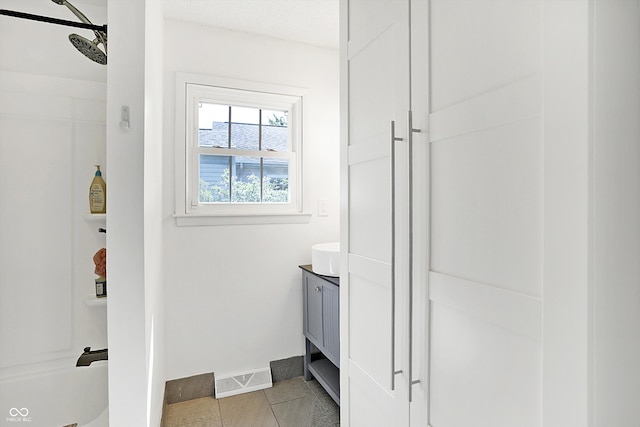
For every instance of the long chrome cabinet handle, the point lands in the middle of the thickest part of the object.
(394, 139)
(410, 143)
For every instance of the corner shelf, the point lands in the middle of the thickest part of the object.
(93, 301)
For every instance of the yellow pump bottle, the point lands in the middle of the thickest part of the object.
(98, 194)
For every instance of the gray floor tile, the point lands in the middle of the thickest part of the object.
(203, 412)
(304, 412)
(248, 409)
(290, 403)
(322, 395)
(283, 391)
(295, 413)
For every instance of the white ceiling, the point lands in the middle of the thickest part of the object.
(307, 21)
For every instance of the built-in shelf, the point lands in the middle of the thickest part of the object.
(95, 217)
(93, 301)
(328, 375)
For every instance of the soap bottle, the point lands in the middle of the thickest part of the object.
(98, 194)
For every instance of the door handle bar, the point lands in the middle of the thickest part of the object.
(394, 139)
(412, 382)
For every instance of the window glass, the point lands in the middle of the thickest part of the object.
(214, 179)
(245, 128)
(213, 124)
(275, 131)
(275, 180)
(245, 187)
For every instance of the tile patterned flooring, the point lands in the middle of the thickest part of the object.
(289, 403)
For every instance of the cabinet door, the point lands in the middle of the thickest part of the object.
(375, 74)
(487, 213)
(312, 322)
(331, 322)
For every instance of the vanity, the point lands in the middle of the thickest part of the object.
(321, 328)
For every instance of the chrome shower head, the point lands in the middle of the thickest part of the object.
(89, 48)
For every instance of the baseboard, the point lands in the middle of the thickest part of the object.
(189, 388)
(203, 385)
(286, 369)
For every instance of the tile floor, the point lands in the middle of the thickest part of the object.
(289, 403)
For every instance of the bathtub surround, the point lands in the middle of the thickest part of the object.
(55, 126)
(52, 132)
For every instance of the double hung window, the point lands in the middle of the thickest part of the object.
(242, 150)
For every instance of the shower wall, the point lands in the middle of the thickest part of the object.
(52, 132)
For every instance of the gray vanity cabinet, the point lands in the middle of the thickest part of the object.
(321, 328)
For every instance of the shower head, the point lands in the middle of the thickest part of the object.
(88, 48)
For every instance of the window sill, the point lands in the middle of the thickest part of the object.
(183, 220)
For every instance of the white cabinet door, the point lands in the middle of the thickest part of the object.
(375, 77)
(485, 284)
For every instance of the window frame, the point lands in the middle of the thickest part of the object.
(190, 91)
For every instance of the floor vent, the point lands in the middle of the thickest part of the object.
(243, 382)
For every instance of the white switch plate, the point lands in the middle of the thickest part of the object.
(322, 207)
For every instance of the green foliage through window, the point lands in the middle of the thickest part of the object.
(274, 190)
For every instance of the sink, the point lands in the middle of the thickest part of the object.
(325, 259)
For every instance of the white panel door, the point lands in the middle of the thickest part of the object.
(485, 280)
(376, 73)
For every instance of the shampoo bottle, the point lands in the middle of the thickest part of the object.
(98, 194)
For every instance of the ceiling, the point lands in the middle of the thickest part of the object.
(307, 21)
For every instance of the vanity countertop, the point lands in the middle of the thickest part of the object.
(334, 280)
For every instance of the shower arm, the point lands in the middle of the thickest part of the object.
(100, 35)
(96, 28)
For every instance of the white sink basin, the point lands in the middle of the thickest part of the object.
(325, 259)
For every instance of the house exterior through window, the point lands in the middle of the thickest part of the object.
(241, 149)
(261, 173)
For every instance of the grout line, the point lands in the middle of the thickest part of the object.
(270, 408)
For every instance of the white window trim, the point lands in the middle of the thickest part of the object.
(256, 213)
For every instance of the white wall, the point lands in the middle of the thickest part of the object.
(136, 362)
(233, 293)
(153, 193)
(616, 172)
(52, 132)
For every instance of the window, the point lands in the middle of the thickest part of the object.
(238, 152)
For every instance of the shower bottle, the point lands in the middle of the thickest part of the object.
(98, 194)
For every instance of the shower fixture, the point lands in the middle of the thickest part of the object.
(89, 48)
